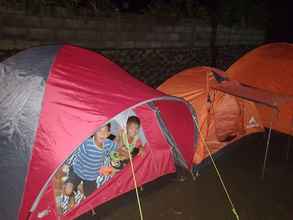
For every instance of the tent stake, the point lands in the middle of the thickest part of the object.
(288, 148)
(267, 146)
(289, 143)
(266, 153)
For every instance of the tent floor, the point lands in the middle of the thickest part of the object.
(204, 199)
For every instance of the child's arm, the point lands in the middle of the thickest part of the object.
(118, 138)
(123, 152)
(121, 148)
(141, 147)
(141, 151)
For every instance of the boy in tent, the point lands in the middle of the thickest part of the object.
(89, 159)
(128, 140)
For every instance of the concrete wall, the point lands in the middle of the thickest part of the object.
(150, 48)
(20, 31)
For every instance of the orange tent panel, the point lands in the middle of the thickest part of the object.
(222, 118)
(269, 68)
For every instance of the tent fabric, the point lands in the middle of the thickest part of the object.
(181, 129)
(22, 84)
(226, 117)
(146, 169)
(52, 99)
(256, 95)
(269, 68)
(222, 118)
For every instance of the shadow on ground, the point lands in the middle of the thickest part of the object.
(204, 199)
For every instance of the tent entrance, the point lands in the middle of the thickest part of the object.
(161, 131)
(65, 176)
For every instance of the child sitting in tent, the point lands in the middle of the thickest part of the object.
(89, 159)
(83, 167)
(68, 198)
(128, 142)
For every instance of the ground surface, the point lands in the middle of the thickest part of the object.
(204, 199)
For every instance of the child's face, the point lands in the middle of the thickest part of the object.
(101, 135)
(132, 129)
(68, 189)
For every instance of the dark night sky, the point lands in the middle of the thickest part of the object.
(280, 16)
(280, 25)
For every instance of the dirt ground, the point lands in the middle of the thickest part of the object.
(204, 199)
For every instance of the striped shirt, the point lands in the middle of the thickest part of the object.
(101, 179)
(89, 158)
(65, 202)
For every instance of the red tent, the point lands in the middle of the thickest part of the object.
(61, 95)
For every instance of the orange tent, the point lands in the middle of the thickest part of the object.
(270, 69)
(222, 118)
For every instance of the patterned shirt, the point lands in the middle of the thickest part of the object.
(101, 179)
(65, 202)
(89, 158)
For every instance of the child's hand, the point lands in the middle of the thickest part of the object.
(123, 152)
(141, 151)
(114, 171)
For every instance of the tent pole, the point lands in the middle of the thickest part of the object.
(267, 145)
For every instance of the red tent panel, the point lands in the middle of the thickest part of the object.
(185, 136)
